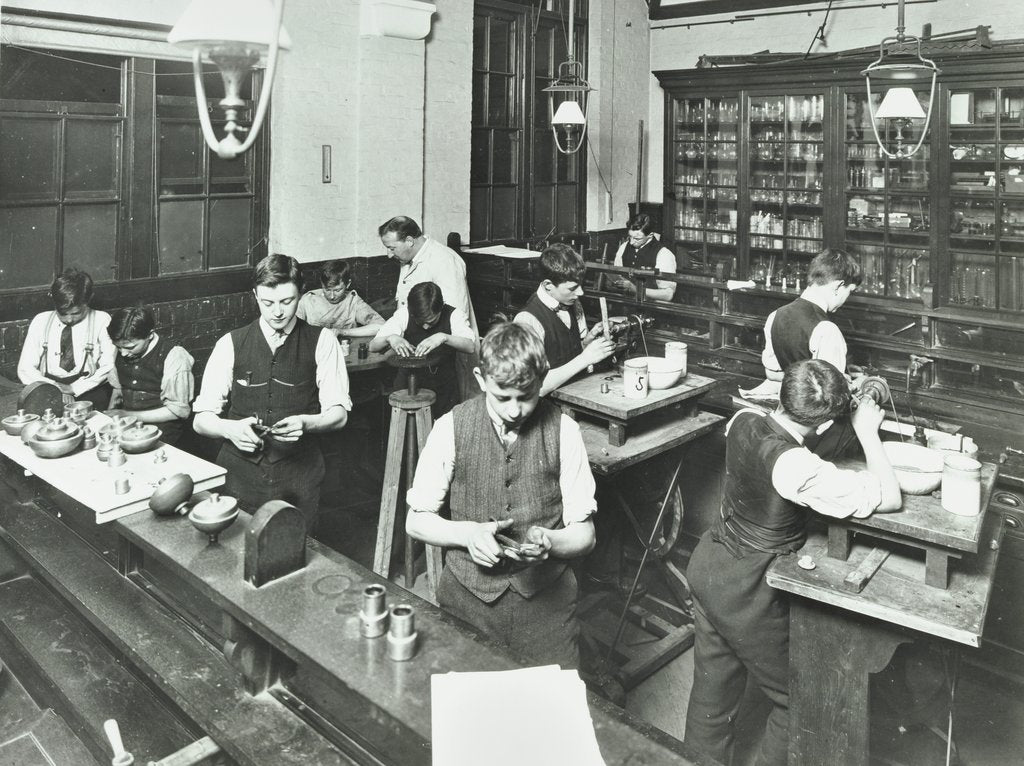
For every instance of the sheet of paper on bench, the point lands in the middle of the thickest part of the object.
(504, 251)
(507, 718)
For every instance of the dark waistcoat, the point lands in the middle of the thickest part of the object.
(274, 385)
(791, 331)
(561, 343)
(440, 377)
(142, 384)
(753, 513)
(645, 257)
(521, 483)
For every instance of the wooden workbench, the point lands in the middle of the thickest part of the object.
(838, 638)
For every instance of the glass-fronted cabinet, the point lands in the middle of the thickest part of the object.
(785, 177)
(888, 207)
(702, 200)
(986, 227)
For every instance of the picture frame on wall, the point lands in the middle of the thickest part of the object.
(681, 9)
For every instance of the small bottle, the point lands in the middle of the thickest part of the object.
(364, 351)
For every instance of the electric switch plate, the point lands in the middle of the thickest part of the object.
(326, 177)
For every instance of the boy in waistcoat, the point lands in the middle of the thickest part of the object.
(423, 325)
(508, 462)
(643, 250)
(555, 314)
(268, 389)
(69, 346)
(771, 480)
(152, 377)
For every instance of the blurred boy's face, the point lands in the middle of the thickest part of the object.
(429, 320)
(841, 292)
(512, 405)
(566, 293)
(132, 348)
(336, 293)
(73, 315)
(277, 304)
(637, 238)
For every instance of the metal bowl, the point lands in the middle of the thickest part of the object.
(213, 515)
(172, 494)
(14, 423)
(51, 448)
(138, 438)
(29, 429)
(918, 469)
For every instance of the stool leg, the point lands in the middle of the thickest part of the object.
(389, 494)
(411, 454)
(424, 422)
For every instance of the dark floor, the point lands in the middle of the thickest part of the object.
(988, 712)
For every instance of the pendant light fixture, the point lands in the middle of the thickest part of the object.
(235, 35)
(567, 98)
(900, 107)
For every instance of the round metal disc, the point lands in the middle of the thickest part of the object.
(40, 396)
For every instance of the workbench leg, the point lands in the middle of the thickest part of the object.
(616, 434)
(839, 539)
(832, 653)
(936, 568)
(389, 494)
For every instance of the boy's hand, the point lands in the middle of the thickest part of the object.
(482, 547)
(240, 433)
(867, 417)
(540, 546)
(401, 346)
(289, 429)
(623, 285)
(429, 344)
(598, 350)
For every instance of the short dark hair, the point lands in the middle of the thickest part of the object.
(133, 323)
(831, 264)
(336, 272)
(560, 263)
(814, 391)
(512, 355)
(277, 269)
(425, 300)
(402, 226)
(72, 288)
(641, 222)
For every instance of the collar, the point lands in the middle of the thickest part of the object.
(817, 300)
(419, 257)
(269, 332)
(550, 302)
(152, 344)
(496, 422)
(788, 429)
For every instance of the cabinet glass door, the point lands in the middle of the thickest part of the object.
(785, 174)
(986, 228)
(888, 210)
(702, 205)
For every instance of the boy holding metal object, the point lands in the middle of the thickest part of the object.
(510, 456)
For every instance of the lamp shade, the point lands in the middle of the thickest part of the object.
(208, 24)
(568, 113)
(900, 103)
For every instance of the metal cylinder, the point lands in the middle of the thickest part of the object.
(374, 614)
(115, 457)
(402, 633)
(122, 486)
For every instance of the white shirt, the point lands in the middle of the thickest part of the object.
(826, 342)
(437, 466)
(665, 261)
(92, 329)
(441, 265)
(805, 479)
(331, 375)
(400, 320)
(528, 319)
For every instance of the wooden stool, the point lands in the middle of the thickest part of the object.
(411, 422)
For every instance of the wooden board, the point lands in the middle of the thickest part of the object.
(897, 592)
(645, 440)
(585, 395)
(373, 361)
(83, 477)
(922, 517)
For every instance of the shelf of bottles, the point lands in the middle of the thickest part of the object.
(704, 181)
(986, 228)
(786, 170)
(888, 219)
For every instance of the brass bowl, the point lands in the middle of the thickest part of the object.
(139, 438)
(213, 515)
(29, 429)
(57, 430)
(14, 423)
(172, 494)
(78, 411)
(51, 448)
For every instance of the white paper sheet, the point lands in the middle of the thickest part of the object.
(536, 715)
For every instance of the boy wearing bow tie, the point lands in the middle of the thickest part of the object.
(510, 465)
(555, 314)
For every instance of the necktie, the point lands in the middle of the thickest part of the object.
(67, 350)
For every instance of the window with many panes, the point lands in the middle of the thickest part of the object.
(103, 167)
(522, 187)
